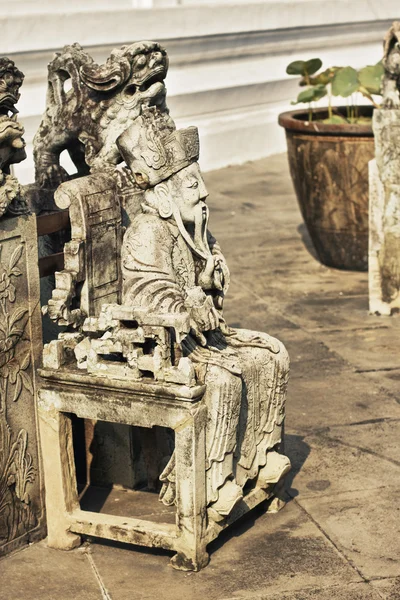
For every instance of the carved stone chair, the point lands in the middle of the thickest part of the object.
(123, 365)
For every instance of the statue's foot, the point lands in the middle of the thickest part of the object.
(168, 478)
(229, 495)
(276, 467)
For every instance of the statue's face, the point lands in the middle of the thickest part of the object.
(146, 85)
(188, 192)
(12, 144)
(9, 92)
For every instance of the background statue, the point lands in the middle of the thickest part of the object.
(384, 189)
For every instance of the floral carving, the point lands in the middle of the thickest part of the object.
(16, 465)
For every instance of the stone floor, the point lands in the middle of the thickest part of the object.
(338, 537)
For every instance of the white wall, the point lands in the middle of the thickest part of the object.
(227, 59)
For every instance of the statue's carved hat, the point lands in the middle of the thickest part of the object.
(154, 150)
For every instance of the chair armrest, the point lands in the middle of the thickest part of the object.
(112, 315)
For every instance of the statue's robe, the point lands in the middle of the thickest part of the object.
(245, 372)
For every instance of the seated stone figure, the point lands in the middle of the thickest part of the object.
(172, 264)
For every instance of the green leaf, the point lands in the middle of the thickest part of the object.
(313, 65)
(296, 67)
(320, 91)
(302, 67)
(311, 94)
(345, 82)
(370, 78)
(325, 77)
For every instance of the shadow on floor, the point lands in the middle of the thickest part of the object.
(305, 237)
(297, 450)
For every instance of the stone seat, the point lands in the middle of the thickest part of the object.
(69, 391)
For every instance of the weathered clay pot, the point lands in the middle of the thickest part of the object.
(329, 169)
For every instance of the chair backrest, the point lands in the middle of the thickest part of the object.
(92, 258)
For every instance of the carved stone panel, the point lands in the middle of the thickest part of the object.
(21, 485)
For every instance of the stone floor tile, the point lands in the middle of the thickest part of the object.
(358, 591)
(379, 438)
(364, 525)
(325, 399)
(41, 573)
(284, 552)
(389, 381)
(367, 348)
(388, 589)
(344, 459)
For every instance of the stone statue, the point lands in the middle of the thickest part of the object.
(146, 344)
(171, 263)
(384, 224)
(391, 63)
(12, 145)
(102, 100)
(172, 267)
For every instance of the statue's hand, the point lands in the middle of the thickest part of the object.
(202, 312)
(221, 274)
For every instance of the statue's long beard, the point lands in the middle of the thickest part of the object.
(198, 242)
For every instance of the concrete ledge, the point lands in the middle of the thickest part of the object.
(45, 30)
(224, 80)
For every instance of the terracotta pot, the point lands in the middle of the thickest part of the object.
(329, 169)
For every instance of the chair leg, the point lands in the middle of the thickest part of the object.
(191, 493)
(59, 473)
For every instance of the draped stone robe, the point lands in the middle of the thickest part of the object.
(245, 372)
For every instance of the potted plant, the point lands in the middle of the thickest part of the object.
(329, 150)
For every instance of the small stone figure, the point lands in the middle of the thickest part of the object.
(391, 63)
(12, 145)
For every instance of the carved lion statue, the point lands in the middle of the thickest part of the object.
(90, 105)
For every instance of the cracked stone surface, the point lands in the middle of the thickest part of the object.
(338, 537)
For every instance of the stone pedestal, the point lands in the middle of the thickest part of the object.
(21, 485)
(384, 215)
